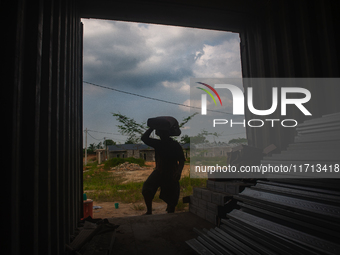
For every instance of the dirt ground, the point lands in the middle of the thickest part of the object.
(108, 209)
(142, 175)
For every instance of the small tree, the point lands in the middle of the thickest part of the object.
(202, 137)
(129, 127)
(185, 139)
(134, 131)
(108, 142)
(91, 148)
(130, 142)
(99, 145)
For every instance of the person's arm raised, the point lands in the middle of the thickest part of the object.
(147, 140)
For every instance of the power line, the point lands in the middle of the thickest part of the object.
(104, 132)
(93, 137)
(150, 98)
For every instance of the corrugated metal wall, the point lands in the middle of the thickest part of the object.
(291, 39)
(42, 112)
(45, 181)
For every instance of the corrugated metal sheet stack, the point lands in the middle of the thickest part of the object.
(285, 216)
(316, 146)
(278, 217)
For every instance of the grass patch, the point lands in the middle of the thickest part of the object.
(106, 192)
(187, 184)
(104, 186)
(138, 207)
(181, 206)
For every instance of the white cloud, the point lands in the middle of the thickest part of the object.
(179, 86)
(152, 55)
(220, 61)
(153, 60)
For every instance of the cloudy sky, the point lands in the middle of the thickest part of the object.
(149, 60)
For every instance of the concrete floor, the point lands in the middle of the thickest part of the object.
(156, 234)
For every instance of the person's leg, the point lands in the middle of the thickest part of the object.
(148, 203)
(171, 208)
(170, 194)
(149, 190)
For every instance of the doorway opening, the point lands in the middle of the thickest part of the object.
(138, 71)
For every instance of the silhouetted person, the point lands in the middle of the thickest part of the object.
(170, 159)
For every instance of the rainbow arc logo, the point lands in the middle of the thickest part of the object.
(204, 97)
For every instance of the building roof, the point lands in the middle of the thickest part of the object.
(125, 147)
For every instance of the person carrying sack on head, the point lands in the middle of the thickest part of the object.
(169, 159)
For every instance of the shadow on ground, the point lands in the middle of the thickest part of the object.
(156, 234)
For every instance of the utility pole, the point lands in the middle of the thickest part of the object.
(105, 143)
(85, 146)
